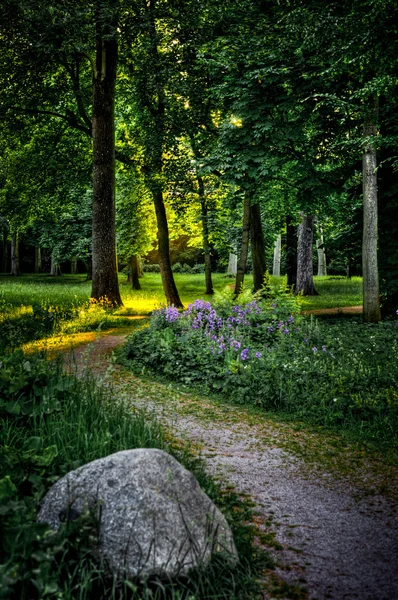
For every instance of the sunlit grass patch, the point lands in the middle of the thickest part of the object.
(334, 293)
(60, 343)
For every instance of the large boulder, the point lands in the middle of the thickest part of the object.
(154, 520)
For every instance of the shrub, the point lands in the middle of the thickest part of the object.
(177, 268)
(198, 268)
(148, 268)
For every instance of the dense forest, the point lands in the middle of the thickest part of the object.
(241, 132)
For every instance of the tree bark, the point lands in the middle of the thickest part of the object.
(169, 286)
(140, 267)
(54, 267)
(154, 161)
(349, 267)
(258, 247)
(135, 284)
(276, 270)
(73, 265)
(291, 253)
(205, 233)
(232, 264)
(5, 251)
(305, 282)
(15, 254)
(89, 266)
(38, 263)
(240, 273)
(320, 246)
(105, 282)
(371, 296)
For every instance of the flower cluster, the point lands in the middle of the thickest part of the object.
(244, 334)
(203, 316)
(241, 313)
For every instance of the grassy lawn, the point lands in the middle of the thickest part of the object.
(40, 307)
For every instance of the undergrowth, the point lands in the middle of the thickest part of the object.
(52, 422)
(339, 374)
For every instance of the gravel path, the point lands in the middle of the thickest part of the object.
(335, 539)
(342, 546)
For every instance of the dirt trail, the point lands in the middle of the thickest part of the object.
(335, 538)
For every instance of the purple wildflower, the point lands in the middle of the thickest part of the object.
(258, 355)
(244, 354)
(315, 349)
(234, 344)
(171, 314)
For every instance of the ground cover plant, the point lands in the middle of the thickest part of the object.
(52, 422)
(335, 373)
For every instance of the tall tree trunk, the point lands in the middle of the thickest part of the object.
(305, 282)
(258, 247)
(89, 266)
(240, 274)
(38, 263)
(54, 267)
(205, 234)
(371, 297)
(105, 282)
(276, 270)
(320, 246)
(232, 264)
(73, 265)
(140, 267)
(169, 286)
(349, 267)
(135, 284)
(291, 253)
(5, 252)
(15, 254)
(155, 103)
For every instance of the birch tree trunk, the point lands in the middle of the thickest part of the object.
(232, 264)
(240, 273)
(291, 253)
(105, 282)
(15, 254)
(276, 270)
(320, 246)
(38, 262)
(305, 282)
(258, 247)
(371, 297)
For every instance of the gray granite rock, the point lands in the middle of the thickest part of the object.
(154, 520)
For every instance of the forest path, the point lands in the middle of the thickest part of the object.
(331, 511)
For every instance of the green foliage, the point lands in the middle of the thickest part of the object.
(332, 373)
(63, 422)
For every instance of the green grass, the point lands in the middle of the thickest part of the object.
(50, 423)
(334, 293)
